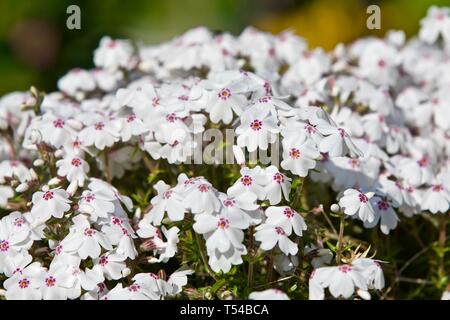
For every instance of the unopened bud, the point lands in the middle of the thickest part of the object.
(152, 260)
(59, 153)
(33, 174)
(126, 272)
(38, 162)
(363, 294)
(45, 188)
(54, 181)
(22, 187)
(34, 91)
(72, 188)
(35, 136)
(335, 208)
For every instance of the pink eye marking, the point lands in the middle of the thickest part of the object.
(383, 205)
(381, 63)
(223, 223)
(112, 44)
(155, 102)
(280, 231)
(256, 125)
(4, 245)
(18, 222)
(294, 153)
(183, 98)
(342, 133)
(89, 232)
(131, 118)
(310, 129)
(203, 188)
(58, 249)
(246, 180)
(224, 94)
(229, 202)
(89, 197)
(48, 195)
(103, 261)
(171, 117)
(76, 162)
(437, 188)
(167, 194)
(363, 198)
(24, 283)
(58, 123)
(423, 162)
(50, 281)
(99, 126)
(116, 221)
(278, 177)
(134, 288)
(354, 163)
(288, 212)
(265, 99)
(345, 268)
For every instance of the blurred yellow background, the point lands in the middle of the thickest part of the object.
(37, 48)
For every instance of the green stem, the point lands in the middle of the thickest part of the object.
(340, 239)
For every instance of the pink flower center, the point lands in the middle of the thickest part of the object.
(50, 281)
(99, 126)
(167, 194)
(131, 118)
(363, 198)
(134, 288)
(223, 223)
(280, 231)
(224, 94)
(18, 222)
(278, 177)
(310, 129)
(76, 162)
(345, 268)
(246, 180)
(423, 162)
(183, 98)
(58, 123)
(294, 153)
(203, 188)
(103, 260)
(229, 202)
(89, 232)
(89, 197)
(4, 245)
(58, 249)
(24, 283)
(383, 205)
(171, 117)
(342, 133)
(116, 221)
(256, 125)
(288, 212)
(354, 163)
(437, 188)
(48, 195)
(381, 63)
(155, 102)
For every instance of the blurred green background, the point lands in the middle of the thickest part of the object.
(37, 48)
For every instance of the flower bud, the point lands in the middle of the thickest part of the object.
(54, 181)
(38, 162)
(152, 260)
(33, 174)
(72, 188)
(126, 272)
(35, 136)
(335, 208)
(59, 153)
(45, 188)
(22, 187)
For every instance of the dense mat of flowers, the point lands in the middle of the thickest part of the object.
(100, 199)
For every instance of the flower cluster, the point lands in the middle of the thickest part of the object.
(100, 198)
